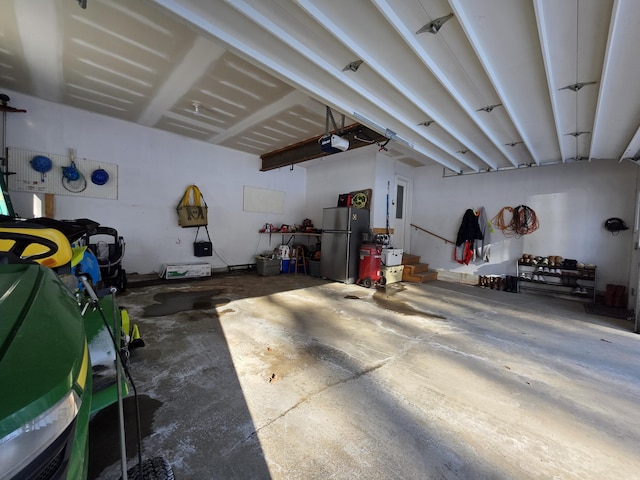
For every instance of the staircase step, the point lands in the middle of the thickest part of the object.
(408, 259)
(425, 277)
(415, 268)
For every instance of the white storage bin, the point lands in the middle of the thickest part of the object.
(392, 256)
(392, 274)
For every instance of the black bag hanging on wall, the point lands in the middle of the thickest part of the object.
(202, 248)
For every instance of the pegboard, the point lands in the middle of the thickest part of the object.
(26, 179)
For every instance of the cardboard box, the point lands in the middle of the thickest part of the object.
(392, 274)
(185, 270)
(392, 256)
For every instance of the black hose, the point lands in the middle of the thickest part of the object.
(96, 304)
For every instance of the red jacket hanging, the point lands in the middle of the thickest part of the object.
(468, 233)
(463, 253)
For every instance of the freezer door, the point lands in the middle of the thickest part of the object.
(358, 223)
(334, 259)
(336, 218)
(345, 218)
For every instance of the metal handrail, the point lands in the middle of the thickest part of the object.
(431, 233)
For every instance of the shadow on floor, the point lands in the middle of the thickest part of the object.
(185, 377)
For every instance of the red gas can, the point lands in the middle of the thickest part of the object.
(370, 265)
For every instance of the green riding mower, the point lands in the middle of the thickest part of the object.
(64, 347)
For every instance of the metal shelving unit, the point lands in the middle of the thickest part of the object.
(579, 284)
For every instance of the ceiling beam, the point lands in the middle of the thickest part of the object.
(222, 22)
(184, 74)
(476, 36)
(410, 38)
(616, 119)
(632, 152)
(351, 41)
(288, 101)
(321, 91)
(547, 54)
(358, 136)
(212, 21)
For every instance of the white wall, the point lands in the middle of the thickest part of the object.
(154, 168)
(571, 201)
(335, 174)
(353, 170)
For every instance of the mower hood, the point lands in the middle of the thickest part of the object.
(43, 352)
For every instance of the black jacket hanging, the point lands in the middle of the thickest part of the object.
(468, 233)
(469, 230)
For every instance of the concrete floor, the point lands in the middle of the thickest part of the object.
(293, 377)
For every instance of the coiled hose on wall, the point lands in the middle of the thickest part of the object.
(523, 220)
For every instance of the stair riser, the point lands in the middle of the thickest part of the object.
(416, 272)
(422, 278)
(408, 259)
(417, 268)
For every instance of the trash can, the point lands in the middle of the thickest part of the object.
(314, 268)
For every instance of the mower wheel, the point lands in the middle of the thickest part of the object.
(156, 468)
(367, 282)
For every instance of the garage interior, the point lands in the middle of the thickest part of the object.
(448, 106)
(284, 377)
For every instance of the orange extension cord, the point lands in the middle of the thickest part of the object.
(522, 222)
(502, 225)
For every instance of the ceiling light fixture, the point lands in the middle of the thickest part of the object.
(196, 108)
(576, 134)
(578, 158)
(353, 66)
(489, 108)
(390, 134)
(435, 25)
(576, 86)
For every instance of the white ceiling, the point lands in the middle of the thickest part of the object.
(263, 72)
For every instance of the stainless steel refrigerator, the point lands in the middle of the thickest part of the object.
(342, 229)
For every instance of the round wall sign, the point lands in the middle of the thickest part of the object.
(359, 200)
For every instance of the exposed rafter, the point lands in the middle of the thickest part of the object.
(619, 97)
(377, 62)
(489, 76)
(358, 88)
(390, 13)
(512, 84)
